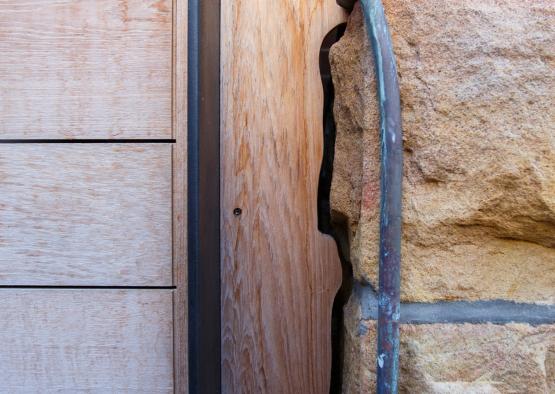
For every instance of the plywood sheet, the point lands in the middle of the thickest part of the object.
(85, 68)
(279, 273)
(86, 214)
(93, 341)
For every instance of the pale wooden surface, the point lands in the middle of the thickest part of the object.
(93, 341)
(85, 214)
(180, 196)
(93, 214)
(85, 68)
(279, 273)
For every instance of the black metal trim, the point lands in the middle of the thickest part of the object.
(204, 196)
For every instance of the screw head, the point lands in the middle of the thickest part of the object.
(237, 211)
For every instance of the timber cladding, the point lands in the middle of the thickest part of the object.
(279, 273)
(92, 173)
(86, 69)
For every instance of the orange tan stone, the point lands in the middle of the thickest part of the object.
(477, 82)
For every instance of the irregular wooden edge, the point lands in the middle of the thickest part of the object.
(179, 193)
(324, 264)
(328, 273)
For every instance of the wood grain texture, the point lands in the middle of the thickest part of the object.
(85, 214)
(93, 341)
(180, 197)
(85, 68)
(280, 274)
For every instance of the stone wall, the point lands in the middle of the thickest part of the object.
(477, 82)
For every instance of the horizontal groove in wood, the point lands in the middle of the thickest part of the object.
(87, 141)
(93, 215)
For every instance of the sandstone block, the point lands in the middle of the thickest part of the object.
(455, 358)
(477, 82)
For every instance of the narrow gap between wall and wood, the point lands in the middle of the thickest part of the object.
(327, 222)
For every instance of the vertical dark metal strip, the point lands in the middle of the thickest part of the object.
(391, 181)
(204, 196)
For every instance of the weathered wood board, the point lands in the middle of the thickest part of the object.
(103, 214)
(86, 214)
(279, 273)
(179, 178)
(94, 341)
(85, 69)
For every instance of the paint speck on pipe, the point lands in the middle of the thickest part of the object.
(380, 360)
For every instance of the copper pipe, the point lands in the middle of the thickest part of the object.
(391, 182)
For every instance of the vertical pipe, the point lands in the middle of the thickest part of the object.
(391, 180)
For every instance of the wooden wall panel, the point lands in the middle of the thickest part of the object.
(85, 214)
(279, 273)
(103, 214)
(180, 267)
(94, 341)
(85, 68)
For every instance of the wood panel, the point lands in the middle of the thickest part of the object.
(180, 197)
(85, 68)
(85, 214)
(94, 341)
(280, 274)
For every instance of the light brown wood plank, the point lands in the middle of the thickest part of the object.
(85, 68)
(180, 197)
(85, 214)
(280, 274)
(94, 341)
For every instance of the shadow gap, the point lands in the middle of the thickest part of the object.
(328, 222)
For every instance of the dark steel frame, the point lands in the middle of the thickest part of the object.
(203, 223)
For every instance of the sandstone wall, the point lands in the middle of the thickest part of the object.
(477, 82)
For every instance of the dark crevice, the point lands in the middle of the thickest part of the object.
(347, 4)
(330, 222)
(326, 169)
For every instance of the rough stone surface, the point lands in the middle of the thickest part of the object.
(478, 96)
(451, 358)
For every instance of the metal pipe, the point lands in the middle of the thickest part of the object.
(390, 210)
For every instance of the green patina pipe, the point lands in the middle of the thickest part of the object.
(391, 181)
